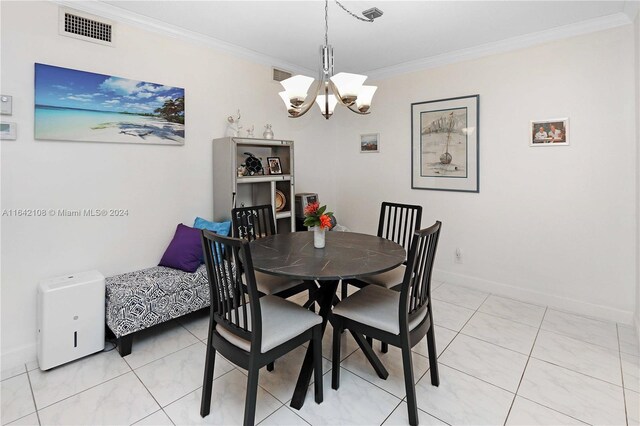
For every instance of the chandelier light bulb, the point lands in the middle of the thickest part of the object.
(322, 103)
(348, 85)
(365, 96)
(296, 88)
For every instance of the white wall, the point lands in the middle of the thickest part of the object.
(637, 39)
(552, 225)
(161, 186)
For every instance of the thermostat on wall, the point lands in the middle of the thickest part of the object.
(6, 104)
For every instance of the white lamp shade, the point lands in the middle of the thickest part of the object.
(285, 99)
(348, 84)
(296, 87)
(365, 96)
(320, 100)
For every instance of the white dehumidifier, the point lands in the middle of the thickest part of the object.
(70, 318)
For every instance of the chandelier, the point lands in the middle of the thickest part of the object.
(344, 88)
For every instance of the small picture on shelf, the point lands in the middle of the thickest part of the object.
(274, 165)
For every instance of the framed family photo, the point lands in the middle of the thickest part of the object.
(370, 142)
(552, 132)
(445, 144)
(275, 168)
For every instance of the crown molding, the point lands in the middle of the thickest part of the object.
(631, 8)
(134, 19)
(579, 28)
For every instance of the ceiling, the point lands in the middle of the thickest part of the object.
(292, 31)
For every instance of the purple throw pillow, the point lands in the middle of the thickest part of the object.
(184, 251)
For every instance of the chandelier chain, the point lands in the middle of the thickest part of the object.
(326, 22)
(353, 14)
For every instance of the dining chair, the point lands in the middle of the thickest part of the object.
(399, 319)
(397, 223)
(248, 329)
(251, 223)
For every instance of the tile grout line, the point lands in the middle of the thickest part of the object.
(525, 366)
(84, 390)
(170, 353)
(624, 392)
(150, 394)
(33, 397)
(536, 402)
(182, 396)
(392, 411)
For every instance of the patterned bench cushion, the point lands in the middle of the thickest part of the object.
(141, 299)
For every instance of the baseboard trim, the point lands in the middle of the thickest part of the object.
(537, 298)
(18, 356)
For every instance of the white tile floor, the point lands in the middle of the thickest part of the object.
(501, 362)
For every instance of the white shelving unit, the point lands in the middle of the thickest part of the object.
(231, 190)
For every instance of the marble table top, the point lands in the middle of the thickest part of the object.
(345, 255)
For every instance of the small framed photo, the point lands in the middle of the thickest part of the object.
(8, 131)
(275, 168)
(370, 142)
(552, 132)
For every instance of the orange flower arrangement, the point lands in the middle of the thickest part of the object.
(317, 216)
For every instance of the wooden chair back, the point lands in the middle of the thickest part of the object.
(234, 304)
(250, 223)
(415, 293)
(398, 222)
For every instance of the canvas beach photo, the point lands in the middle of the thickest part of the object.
(72, 105)
(552, 132)
(445, 144)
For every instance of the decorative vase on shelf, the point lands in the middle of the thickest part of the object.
(318, 237)
(268, 133)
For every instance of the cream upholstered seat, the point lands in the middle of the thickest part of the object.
(387, 279)
(272, 284)
(281, 321)
(377, 307)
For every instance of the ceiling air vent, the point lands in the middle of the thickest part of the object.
(279, 75)
(83, 26)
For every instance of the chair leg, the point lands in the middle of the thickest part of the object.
(270, 366)
(384, 347)
(409, 385)
(335, 357)
(252, 394)
(207, 385)
(433, 357)
(369, 341)
(344, 290)
(317, 362)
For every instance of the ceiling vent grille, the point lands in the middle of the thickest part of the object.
(85, 27)
(279, 75)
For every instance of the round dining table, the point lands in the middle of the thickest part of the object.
(346, 255)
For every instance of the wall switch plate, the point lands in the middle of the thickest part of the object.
(458, 256)
(6, 104)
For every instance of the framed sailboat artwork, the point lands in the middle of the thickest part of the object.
(445, 144)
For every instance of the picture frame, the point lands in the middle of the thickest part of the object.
(8, 131)
(275, 168)
(369, 142)
(445, 144)
(550, 132)
(81, 106)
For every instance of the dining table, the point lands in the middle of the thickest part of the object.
(346, 255)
